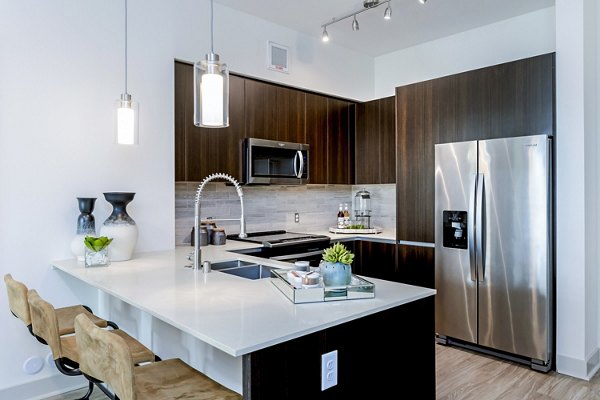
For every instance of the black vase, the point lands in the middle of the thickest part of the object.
(86, 225)
(120, 226)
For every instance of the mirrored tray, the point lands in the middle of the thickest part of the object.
(375, 229)
(358, 288)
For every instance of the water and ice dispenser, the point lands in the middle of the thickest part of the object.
(455, 229)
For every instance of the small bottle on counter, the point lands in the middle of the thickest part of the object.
(340, 217)
(346, 216)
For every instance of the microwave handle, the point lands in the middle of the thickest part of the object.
(299, 156)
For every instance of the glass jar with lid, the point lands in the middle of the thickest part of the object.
(362, 208)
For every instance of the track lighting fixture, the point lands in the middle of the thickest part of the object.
(422, 1)
(367, 5)
(388, 12)
(355, 26)
(325, 36)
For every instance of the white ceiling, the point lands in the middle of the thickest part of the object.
(412, 22)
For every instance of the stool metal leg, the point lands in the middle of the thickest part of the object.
(89, 391)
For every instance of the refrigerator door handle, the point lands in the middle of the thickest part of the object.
(479, 227)
(471, 230)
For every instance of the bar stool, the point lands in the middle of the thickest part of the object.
(64, 349)
(107, 357)
(19, 307)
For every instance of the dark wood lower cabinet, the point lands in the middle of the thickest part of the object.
(376, 260)
(416, 265)
(413, 265)
(375, 360)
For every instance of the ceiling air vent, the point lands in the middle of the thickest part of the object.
(278, 57)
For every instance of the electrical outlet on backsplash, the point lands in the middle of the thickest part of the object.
(273, 207)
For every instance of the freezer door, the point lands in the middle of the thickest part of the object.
(455, 280)
(514, 288)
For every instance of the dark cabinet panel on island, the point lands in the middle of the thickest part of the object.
(361, 344)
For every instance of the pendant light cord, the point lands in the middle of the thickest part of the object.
(125, 46)
(211, 26)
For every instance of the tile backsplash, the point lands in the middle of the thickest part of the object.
(273, 207)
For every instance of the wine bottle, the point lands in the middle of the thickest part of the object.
(346, 216)
(340, 217)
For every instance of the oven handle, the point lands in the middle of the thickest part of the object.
(291, 256)
(287, 243)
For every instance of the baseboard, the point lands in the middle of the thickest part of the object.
(43, 388)
(578, 368)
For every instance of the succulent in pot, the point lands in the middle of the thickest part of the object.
(97, 251)
(336, 268)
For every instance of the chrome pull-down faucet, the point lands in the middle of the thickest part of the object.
(242, 219)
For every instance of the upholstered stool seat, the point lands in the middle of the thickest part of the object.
(107, 357)
(19, 306)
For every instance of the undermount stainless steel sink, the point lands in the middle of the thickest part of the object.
(243, 269)
(217, 266)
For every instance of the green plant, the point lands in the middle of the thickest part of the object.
(338, 253)
(96, 243)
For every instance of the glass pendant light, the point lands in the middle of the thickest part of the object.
(211, 88)
(127, 110)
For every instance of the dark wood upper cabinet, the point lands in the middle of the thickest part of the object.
(368, 137)
(387, 140)
(182, 85)
(290, 115)
(340, 154)
(274, 112)
(415, 165)
(260, 111)
(506, 100)
(198, 150)
(316, 136)
(376, 141)
(204, 153)
(266, 111)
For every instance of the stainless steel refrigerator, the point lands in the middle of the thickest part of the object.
(493, 247)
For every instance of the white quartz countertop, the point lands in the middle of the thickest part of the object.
(233, 314)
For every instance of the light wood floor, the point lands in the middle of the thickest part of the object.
(465, 375)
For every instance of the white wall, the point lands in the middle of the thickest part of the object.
(520, 37)
(577, 187)
(61, 70)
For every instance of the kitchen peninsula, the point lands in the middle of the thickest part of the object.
(247, 335)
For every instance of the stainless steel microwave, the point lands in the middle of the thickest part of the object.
(274, 162)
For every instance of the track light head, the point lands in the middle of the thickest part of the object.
(355, 26)
(325, 35)
(422, 1)
(388, 12)
(370, 3)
